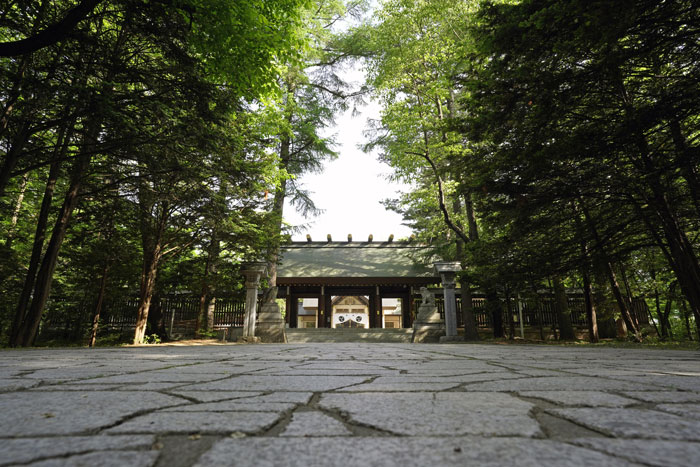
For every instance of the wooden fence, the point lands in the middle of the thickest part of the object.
(539, 312)
(73, 321)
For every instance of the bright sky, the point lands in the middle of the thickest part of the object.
(351, 187)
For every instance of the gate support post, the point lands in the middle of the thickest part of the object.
(252, 273)
(447, 271)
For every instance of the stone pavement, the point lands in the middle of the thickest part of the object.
(349, 405)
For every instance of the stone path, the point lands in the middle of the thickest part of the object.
(349, 405)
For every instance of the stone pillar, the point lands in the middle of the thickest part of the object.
(252, 273)
(447, 271)
(428, 326)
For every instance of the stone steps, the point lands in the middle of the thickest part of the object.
(299, 336)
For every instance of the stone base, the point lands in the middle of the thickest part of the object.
(428, 326)
(451, 339)
(271, 333)
(270, 325)
(248, 340)
(427, 333)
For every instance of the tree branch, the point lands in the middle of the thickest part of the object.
(441, 199)
(52, 34)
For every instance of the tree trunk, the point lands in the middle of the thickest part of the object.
(42, 287)
(686, 160)
(509, 314)
(612, 277)
(12, 155)
(16, 212)
(98, 305)
(682, 254)
(590, 309)
(278, 212)
(667, 312)
(686, 317)
(628, 295)
(470, 325)
(38, 246)
(566, 330)
(207, 302)
(472, 227)
(493, 305)
(148, 282)
(657, 301)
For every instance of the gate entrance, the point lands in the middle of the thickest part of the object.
(352, 284)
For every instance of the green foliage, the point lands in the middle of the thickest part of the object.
(152, 339)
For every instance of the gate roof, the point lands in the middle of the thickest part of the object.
(307, 262)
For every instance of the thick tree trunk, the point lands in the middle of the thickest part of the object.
(470, 326)
(472, 226)
(38, 246)
(493, 306)
(566, 330)
(148, 282)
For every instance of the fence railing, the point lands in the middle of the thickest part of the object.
(179, 314)
(71, 321)
(539, 312)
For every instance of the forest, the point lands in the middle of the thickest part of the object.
(149, 146)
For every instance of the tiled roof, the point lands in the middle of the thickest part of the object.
(353, 259)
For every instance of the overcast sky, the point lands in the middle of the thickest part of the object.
(351, 187)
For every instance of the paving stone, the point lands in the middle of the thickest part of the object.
(159, 377)
(69, 412)
(13, 384)
(292, 397)
(634, 423)
(339, 365)
(385, 451)
(334, 372)
(23, 450)
(377, 386)
(684, 410)
(279, 383)
(648, 452)
(581, 398)
(449, 413)
(198, 422)
(83, 386)
(558, 383)
(686, 383)
(314, 424)
(664, 396)
(235, 405)
(103, 459)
